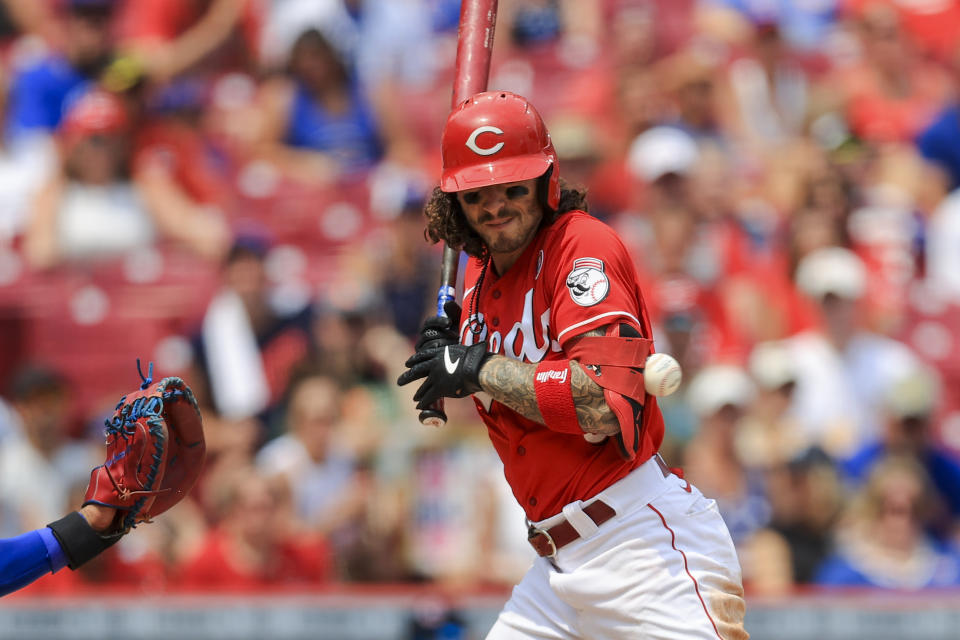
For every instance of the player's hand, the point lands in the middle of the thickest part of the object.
(439, 331)
(99, 518)
(451, 371)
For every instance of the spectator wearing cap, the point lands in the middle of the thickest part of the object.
(843, 370)
(683, 250)
(806, 497)
(908, 409)
(720, 395)
(92, 210)
(769, 435)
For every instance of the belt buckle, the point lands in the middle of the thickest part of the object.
(533, 533)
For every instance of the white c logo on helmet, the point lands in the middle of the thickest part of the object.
(480, 151)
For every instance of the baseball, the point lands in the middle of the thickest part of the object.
(661, 374)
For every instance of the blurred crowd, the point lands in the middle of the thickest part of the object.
(232, 189)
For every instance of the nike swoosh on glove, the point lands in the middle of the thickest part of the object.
(439, 331)
(451, 371)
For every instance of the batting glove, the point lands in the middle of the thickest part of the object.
(452, 371)
(439, 331)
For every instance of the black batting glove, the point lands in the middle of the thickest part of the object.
(439, 331)
(452, 371)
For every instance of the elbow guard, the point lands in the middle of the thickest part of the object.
(615, 362)
(79, 541)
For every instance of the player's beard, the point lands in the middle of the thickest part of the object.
(515, 238)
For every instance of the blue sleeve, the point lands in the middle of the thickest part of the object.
(837, 572)
(856, 468)
(945, 472)
(27, 557)
(38, 94)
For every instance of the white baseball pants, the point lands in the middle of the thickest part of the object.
(663, 568)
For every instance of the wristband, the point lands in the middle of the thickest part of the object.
(79, 541)
(551, 383)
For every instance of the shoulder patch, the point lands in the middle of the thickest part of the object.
(587, 282)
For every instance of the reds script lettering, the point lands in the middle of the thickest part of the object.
(521, 341)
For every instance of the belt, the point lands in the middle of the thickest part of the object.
(546, 542)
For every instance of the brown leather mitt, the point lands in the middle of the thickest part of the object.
(155, 451)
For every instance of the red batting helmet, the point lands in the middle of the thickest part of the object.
(495, 137)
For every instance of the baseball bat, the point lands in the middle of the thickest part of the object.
(478, 19)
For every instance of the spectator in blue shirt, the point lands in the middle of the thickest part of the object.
(319, 124)
(40, 93)
(881, 540)
(909, 408)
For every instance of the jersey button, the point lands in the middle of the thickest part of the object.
(495, 322)
(521, 450)
(532, 502)
(496, 294)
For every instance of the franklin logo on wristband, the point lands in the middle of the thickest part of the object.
(551, 383)
(553, 374)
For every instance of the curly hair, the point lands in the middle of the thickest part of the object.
(445, 219)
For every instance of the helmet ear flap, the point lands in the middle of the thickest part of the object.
(543, 190)
(548, 189)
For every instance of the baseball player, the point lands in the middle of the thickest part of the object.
(155, 451)
(552, 348)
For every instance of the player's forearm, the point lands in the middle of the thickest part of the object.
(512, 383)
(23, 559)
(26, 558)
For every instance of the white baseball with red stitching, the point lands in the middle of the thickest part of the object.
(661, 374)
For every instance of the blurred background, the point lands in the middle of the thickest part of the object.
(232, 189)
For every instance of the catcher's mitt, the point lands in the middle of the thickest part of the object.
(155, 451)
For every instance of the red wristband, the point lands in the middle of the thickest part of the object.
(555, 397)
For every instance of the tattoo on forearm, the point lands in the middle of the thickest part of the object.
(511, 382)
(592, 410)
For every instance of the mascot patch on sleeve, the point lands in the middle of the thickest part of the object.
(587, 282)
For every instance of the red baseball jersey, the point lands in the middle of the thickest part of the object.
(575, 276)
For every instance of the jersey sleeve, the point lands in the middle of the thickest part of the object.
(594, 283)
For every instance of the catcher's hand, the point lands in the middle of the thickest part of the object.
(451, 371)
(155, 451)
